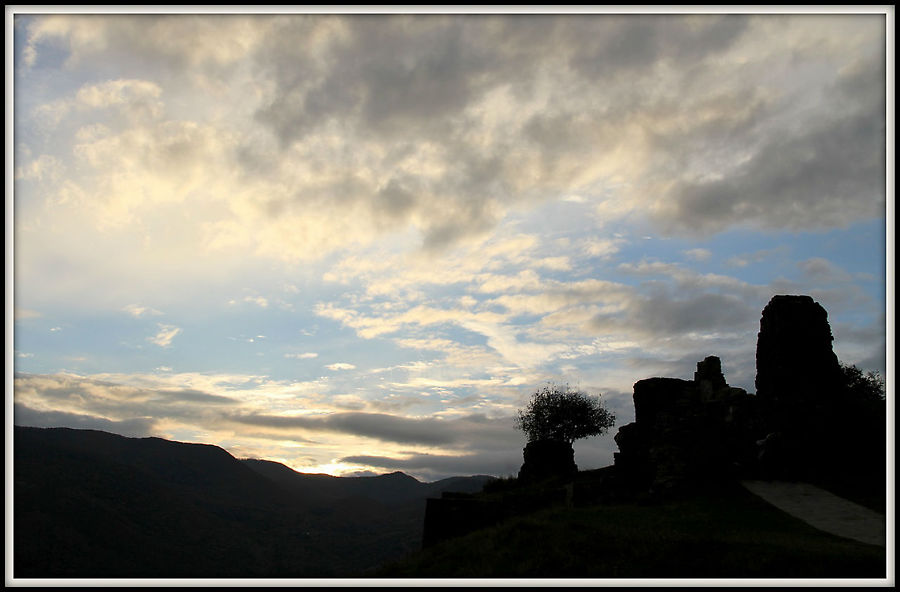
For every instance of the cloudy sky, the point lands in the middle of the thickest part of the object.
(358, 243)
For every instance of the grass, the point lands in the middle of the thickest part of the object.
(728, 534)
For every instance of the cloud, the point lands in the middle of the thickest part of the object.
(137, 100)
(303, 356)
(379, 426)
(257, 300)
(805, 164)
(165, 335)
(472, 430)
(474, 65)
(207, 44)
(759, 256)
(670, 317)
(862, 344)
(137, 310)
(140, 98)
(464, 192)
(821, 269)
(104, 396)
(134, 428)
(257, 417)
(44, 167)
(66, 400)
(25, 313)
(340, 366)
(499, 462)
(698, 254)
(604, 248)
(437, 128)
(810, 180)
(434, 466)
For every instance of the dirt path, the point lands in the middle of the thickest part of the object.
(823, 510)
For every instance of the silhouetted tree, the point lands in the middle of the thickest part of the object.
(863, 386)
(559, 413)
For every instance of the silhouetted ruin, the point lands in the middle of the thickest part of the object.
(690, 434)
(545, 459)
(686, 430)
(799, 385)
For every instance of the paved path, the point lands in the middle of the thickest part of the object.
(823, 510)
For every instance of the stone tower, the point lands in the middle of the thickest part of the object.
(799, 385)
(796, 369)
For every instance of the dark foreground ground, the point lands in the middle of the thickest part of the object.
(729, 533)
(96, 505)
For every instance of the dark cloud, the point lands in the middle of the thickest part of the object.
(394, 203)
(195, 396)
(622, 44)
(603, 85)
(824, 167)
(529, 107)
(63, 387)
(864, 344)
(97, 399)
(373, 425)
(138, 427)
(440, 465)
(589, 454)
(469, 432)
(667, 316)
(386, 72)
(810, 180)
(470, 218)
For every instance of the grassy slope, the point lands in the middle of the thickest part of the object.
(728, 535)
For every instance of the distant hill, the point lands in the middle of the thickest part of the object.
(392, 488)
(93, 504)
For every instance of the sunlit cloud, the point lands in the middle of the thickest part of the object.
(340, 366)
(165, 335)
(303, 356)
(24, 313)
(257, 300)
(698, 254)
(137, 310)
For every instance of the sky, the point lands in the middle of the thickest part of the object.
(358, 243)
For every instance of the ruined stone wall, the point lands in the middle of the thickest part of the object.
(693, 431)
(545, 459)
(686, 431)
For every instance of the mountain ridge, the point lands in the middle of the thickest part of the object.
(389, 487)
(89, 503)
